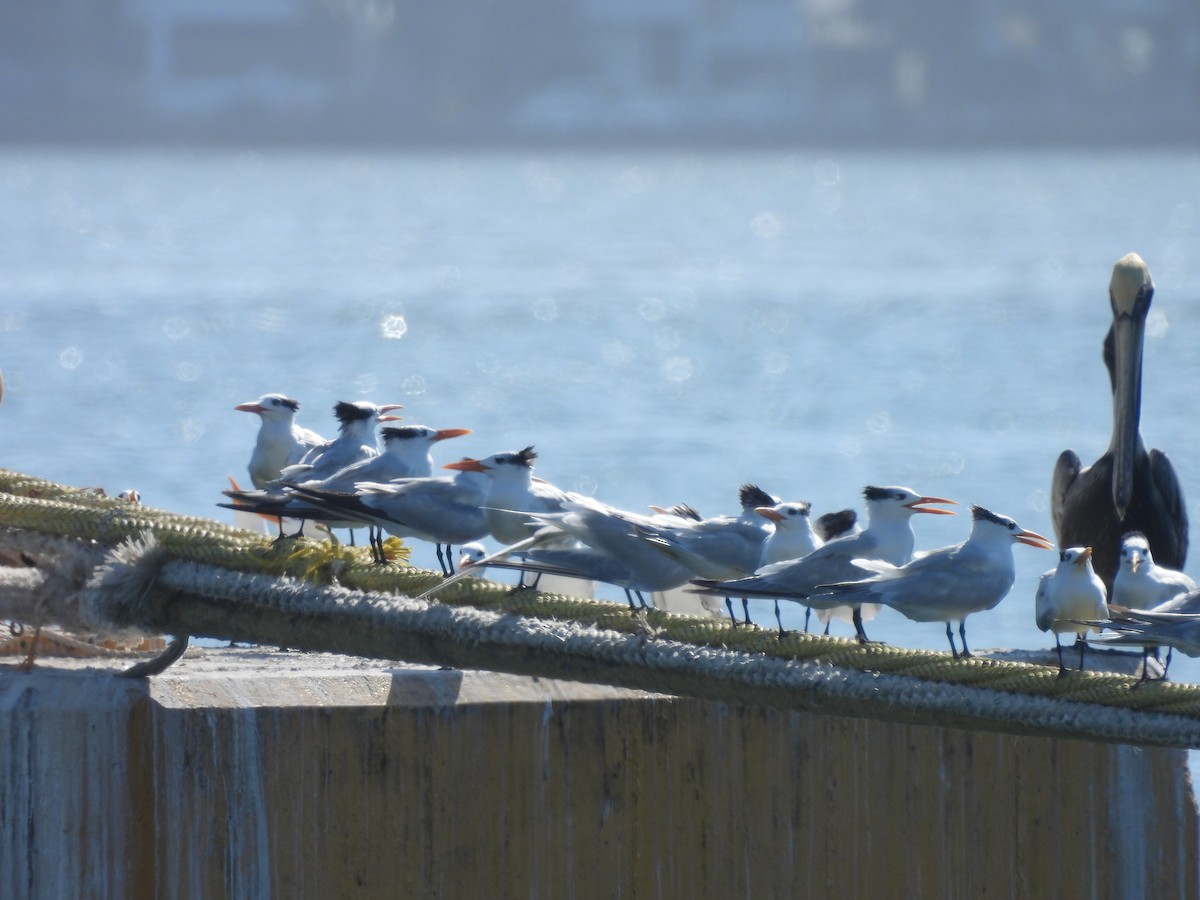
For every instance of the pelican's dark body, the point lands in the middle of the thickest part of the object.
(1088, 518)
(1126, 489)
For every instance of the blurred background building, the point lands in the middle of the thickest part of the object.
(698, 71)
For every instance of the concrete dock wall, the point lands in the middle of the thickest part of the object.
(303, 775)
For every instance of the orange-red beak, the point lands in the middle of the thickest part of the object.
(916, 506)
(466, 465)
(1033, 539)
(450, 433)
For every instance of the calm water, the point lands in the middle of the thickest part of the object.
(661, 327)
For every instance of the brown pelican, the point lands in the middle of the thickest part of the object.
(1126, 489)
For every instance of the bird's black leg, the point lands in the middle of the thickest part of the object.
(746, 611)
(641, 599)
(858, 626)
(1167, 664)
(441, 560)
(1082, 649)
(729, 606)
(629, 597)
(779, 619)
(1062, 669)
(950, 638)
(962, 633)
(807, 615)
(449, 557)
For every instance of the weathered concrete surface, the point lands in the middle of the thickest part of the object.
(261, 774)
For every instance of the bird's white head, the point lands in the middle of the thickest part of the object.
(1135, 551)
(989, 525)
(902, 501)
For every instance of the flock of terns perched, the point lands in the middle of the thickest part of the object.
(1120, 523)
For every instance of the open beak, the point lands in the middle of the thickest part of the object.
(450, 433)
(1033, 539)
(768, 513)
(387, 408)
(466, 465)
(917, 506)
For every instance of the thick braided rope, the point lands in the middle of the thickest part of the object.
(43, 507)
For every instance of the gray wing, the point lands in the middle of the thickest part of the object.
(1066, 470)
(1044, 616)
(1166, 483)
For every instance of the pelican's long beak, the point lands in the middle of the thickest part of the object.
(1033, 539)
(1130, 293)
(450, 433)
(917, 506)
(1127, 407)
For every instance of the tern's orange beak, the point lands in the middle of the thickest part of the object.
(466, 465)
(250, 407)
(1033, 539)
(387, 408)
(450, 433)
(768, 512)
(916, 506)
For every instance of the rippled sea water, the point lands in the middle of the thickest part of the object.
(662, 327)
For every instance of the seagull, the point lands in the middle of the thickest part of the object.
(951, 583)
(1141, 583)
(281, 442)
(443, 510)
(1126, 489)
(1067, 594)
(888, 537)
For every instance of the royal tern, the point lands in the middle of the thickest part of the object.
(356, 441)
(444, 511)
(615, 550)
(281, 442)
(511, 492)
(888, 537)
(949, 584)
(793, 537)
(1126, 489)
(1141, 583)
(1068, 593)
(718, 548)
(1151, 629)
